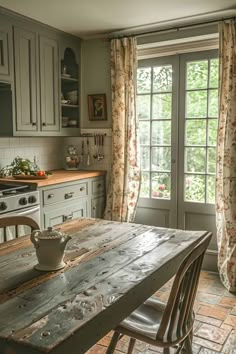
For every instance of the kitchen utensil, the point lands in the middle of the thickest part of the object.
(100, 149)
(82, 153)
(64, 122)
(88, 153)
(95, 155)
(50, 246)
(102, 146)
(72, 123)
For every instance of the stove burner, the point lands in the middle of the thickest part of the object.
(8, 189)
(11, 187)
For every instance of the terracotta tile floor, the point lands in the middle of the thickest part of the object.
(215, 323)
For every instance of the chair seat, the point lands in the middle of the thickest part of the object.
(146, 319)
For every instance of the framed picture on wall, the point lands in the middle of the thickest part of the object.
(97, 107)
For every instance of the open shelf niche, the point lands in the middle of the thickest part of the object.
(69, 90)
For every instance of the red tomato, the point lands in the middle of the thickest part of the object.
(40, 173)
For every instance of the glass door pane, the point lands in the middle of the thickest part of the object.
(201, 111)
(154, 109)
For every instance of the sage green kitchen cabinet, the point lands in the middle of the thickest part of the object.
(6, 67)
(70, 200)
(25, 80)
(65, 213)
(49, 83)
(31, 61)
(36, 83)
(97, 207)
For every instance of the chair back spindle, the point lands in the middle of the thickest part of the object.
(178, 315)
(12, 223)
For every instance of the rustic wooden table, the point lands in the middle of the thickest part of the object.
(111, 268)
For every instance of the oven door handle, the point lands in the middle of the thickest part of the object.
(28, 211)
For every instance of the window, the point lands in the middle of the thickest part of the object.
(177, 107)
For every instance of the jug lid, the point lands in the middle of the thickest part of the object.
(50, 233)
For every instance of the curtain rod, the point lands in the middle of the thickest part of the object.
(176, 28)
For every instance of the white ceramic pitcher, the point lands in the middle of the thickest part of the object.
(50, 246)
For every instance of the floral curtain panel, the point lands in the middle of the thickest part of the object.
(125, 175)
(226, 158)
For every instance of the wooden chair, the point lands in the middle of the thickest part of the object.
(171, 324)
(16, 221)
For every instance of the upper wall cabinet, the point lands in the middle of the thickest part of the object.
(32, 59)
(49, 84)
(6, 73)
(25, 80)
(36, 83)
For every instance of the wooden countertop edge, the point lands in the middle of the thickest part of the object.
(58, 176)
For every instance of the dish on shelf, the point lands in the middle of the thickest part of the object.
(72, 123)
(72, 96)
(65, 101)
(65, 75)
(29, 177)
(65, 122)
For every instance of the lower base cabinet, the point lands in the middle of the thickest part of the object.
(65, 213)
(97, 207)
(70, 200)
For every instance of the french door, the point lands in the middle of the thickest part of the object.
(177, 107)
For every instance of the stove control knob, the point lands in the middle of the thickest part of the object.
(23, 201)
(32, 199)
(3, 206)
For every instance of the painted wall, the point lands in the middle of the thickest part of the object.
(96, 79)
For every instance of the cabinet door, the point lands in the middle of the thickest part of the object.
(5, 46)
(97, 207)
(49, 84)
(25, 80)
(62, 214)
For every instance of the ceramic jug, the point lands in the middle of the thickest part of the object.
(50, 246)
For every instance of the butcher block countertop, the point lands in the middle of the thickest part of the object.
(58, 176)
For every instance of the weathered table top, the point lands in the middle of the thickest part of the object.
(111, 268)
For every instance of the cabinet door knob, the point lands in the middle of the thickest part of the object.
(33, 123)
(94, 207)
(44, 124)
(50, 196)
(82, 189)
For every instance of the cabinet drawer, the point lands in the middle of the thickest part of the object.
(62, 214)
(61, 194)
(98, 186)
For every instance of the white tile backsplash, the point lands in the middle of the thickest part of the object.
(48, 151)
